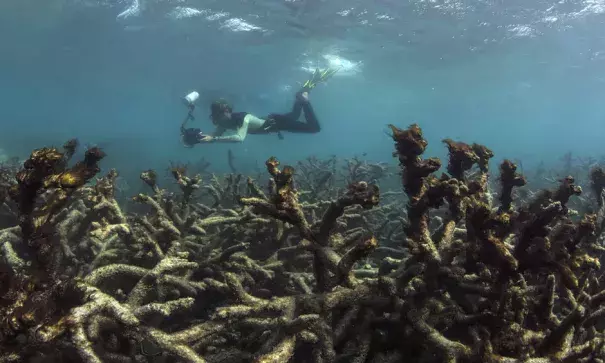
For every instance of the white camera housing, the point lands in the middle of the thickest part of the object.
(191, 98)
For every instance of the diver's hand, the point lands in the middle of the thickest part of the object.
(207, 138)
(269, 124)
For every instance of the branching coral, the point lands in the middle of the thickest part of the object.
(44, 186)
(502, 262)
(296, 273)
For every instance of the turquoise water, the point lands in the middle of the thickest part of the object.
(524, 78)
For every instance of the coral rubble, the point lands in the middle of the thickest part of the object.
(300, 272)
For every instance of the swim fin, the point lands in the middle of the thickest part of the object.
(319, 76)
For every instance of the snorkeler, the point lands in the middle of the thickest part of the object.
(235, 126)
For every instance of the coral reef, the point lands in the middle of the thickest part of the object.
(321, 266)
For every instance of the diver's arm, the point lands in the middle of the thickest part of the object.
(254, 122)
(238, 136)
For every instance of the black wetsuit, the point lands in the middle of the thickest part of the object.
(289, 122)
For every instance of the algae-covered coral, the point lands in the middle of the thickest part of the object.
(299, 272)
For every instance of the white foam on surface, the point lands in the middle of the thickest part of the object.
(133, 10)
(239, 25)
(182, 12)
(521, 31)
(346, 67)
(591, 7)
(217, 16)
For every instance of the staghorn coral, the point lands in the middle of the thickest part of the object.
(509, 179)
(35, 291)
(504, 261)
(597, 183)
(283, 275)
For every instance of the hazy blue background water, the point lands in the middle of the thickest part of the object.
(526, 78)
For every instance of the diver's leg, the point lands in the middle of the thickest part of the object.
(311, 126)
(297, 107)
(311, 117)
(289, 122)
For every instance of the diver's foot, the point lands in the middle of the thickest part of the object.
(302, 96)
